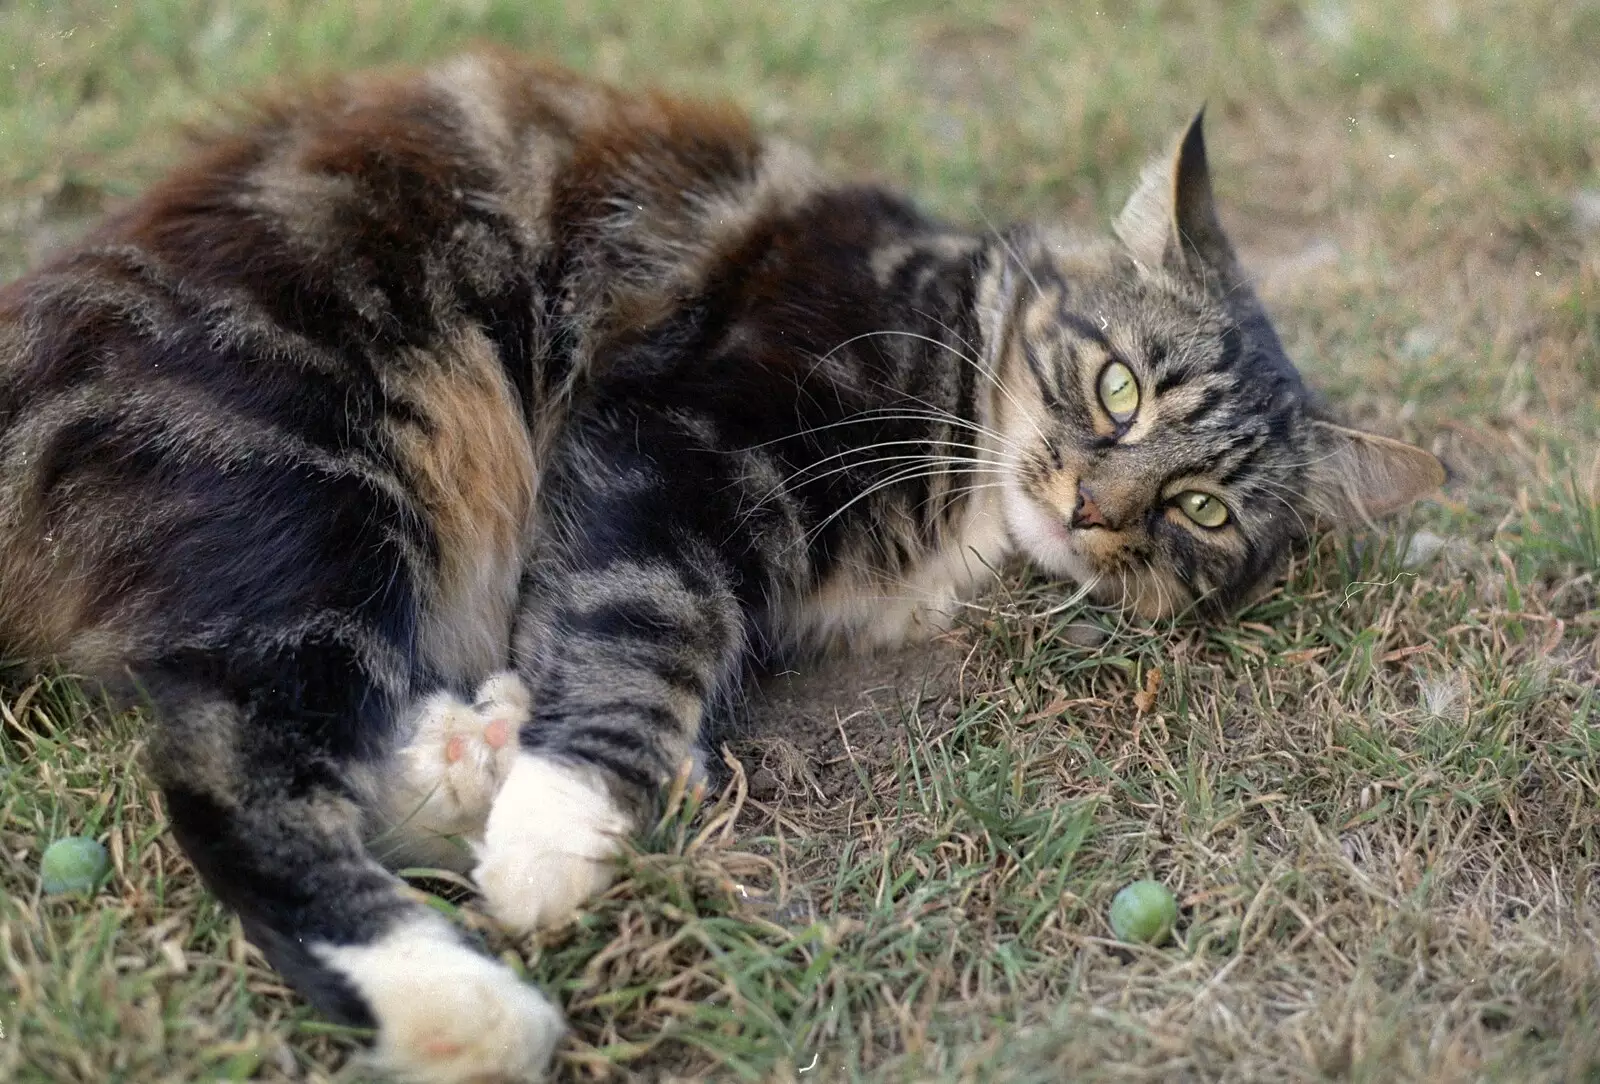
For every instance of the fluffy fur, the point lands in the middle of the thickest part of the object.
(419, 377)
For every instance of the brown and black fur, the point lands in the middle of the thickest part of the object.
(423, 375)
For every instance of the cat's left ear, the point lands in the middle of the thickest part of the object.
(1170, 221)
(1356, 476)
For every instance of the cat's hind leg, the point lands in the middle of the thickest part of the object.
(257, 794)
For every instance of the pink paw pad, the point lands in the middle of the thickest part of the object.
(496, 734)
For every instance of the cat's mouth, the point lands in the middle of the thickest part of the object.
(1098, 557)
(1046, 537)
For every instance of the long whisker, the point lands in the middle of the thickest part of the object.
(1027, 272)
(907, 474)
(1073, 600)
(986, 370)
(958, 493)
(943, 464)
(1273, 489)
(1008, 443)
(890, 331)
(1010, 251)
(888, 414)
(955, 491)
(971, 348)
(1161, 591)
(980, 459)
(977, 366)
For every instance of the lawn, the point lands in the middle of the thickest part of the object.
(1377, 794)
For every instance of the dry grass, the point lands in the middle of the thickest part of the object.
(1377, 796)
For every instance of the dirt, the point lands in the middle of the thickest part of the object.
(824, 728)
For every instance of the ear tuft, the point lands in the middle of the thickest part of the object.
(1359, 476)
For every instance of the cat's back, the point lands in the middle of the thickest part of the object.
(378, 283)
(384, 203)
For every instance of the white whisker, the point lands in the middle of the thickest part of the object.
(944, 466)
(863, 464)
(906, 475)
(1073, 600)
(977, 366)
(1009, 250)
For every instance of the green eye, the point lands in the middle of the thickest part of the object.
(1203, 508)
(1119, 391)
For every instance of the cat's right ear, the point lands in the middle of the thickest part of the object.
(1356, 476)
(1170, 221)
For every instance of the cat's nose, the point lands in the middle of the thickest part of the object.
(1086, 513)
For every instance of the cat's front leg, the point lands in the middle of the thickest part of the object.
(634, 622)
(551, 841)
(623, 685)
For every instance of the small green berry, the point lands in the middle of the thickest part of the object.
(73, 864)
(1144, 911)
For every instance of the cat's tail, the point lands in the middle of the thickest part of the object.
(275, 832)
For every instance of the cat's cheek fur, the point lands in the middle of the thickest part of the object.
(473, 1021)
(552, 833)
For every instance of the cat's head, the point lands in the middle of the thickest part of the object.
(1161, 444)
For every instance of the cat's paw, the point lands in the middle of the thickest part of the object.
(460, 754)
(549, 844)
(444, 1013)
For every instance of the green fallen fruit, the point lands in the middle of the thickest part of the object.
(1144, 911)
(73, 864)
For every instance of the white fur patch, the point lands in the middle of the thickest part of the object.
(548, 845)
(446, 1014)
(444, 779)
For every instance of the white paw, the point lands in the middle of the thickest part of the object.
(445, 1014)
(460, 754)
(552, 834)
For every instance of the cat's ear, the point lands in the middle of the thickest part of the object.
(1356, 476)
(1170, 221)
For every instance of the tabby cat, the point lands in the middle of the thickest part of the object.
(433, 455)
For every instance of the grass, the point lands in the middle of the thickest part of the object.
(1377, 795)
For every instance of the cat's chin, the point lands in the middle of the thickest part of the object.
(1042, 538)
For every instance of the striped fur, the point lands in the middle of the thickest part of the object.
(423, 376)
